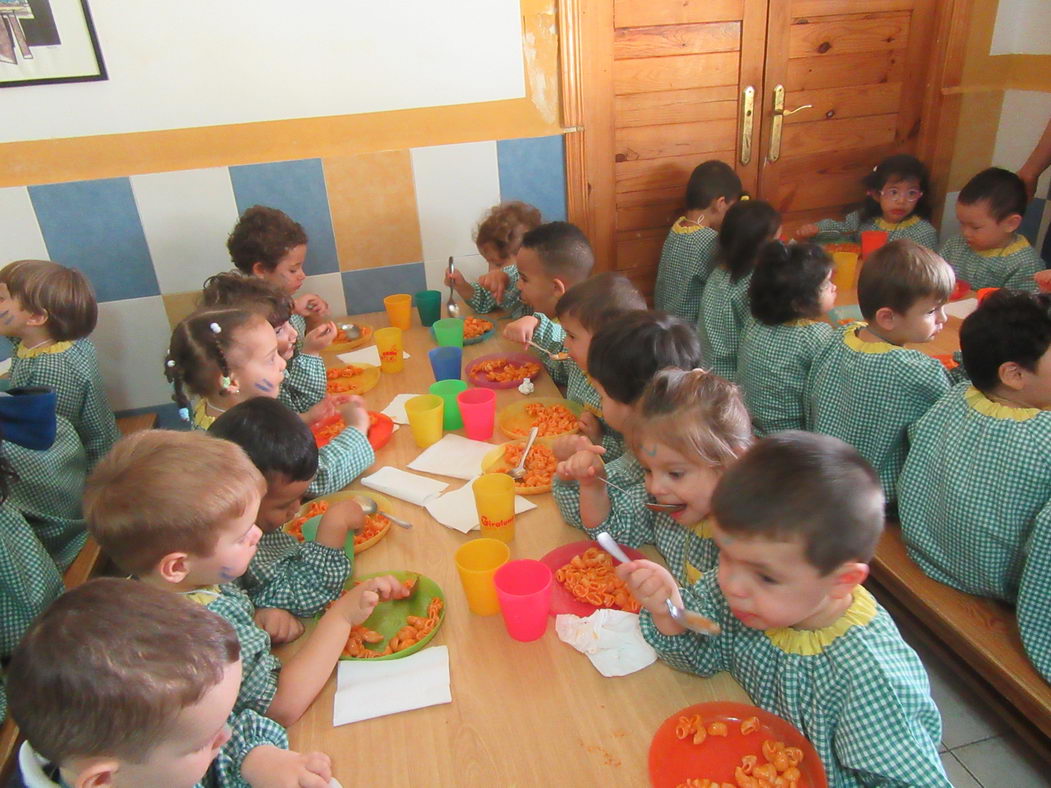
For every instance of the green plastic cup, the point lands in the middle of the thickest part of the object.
(449, 331)
(447, 390)
(429, 305)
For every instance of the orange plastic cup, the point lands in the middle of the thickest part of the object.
(844, 275)
(477, 562)
(399, 310)
(389, 345)
(494, 497)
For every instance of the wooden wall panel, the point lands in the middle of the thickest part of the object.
(641, 13)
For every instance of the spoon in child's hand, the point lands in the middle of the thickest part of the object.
(653, 507)
(692, 621)
(368, 505)
(560, 356)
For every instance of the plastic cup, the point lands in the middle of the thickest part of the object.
(477, 562)
(389, 345)
(429, 305)
(445, 362)
(523, 589)
(449, 331)
(399, 310)
(425, 418)
(447, 390)
(494, 497)
(871, 240)
(478, 410)
(844, 275)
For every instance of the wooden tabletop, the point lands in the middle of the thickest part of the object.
(522, 713)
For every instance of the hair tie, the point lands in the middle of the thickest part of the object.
(216, 328)
(170, 363)
(184, 414)
(225, 382)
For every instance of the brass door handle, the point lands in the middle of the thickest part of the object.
(778, 114)
(747, 116)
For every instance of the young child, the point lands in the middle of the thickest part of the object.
(796, 521)
(498, 238)
(975, 493)
(989, 252)
(897, 201)
(865, 388)
(790, 292)
(177, 510)
(227, 356)
(121, 684)
(724, 303)
(623, 357)
(692, 241)
(286, 579)
(47, 311)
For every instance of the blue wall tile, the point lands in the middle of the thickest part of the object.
(534, 171)
(366, 289)
(95, 226)
(298, 189)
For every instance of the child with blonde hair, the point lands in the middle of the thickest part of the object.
(47, 311)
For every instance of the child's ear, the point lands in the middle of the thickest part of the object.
(37, 319)
(847, 577)
(560, 286)
(886, 318)
(1011, 223)
(96, 773)
(174, 567)
(258, 269)
(1010, 374)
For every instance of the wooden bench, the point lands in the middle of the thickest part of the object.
(140, 421)
(976, 637)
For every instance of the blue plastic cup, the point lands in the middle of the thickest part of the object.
(445, 362)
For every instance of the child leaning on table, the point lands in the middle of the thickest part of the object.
(287, 579)
(796, 521)
(121, 684)
(975, 494)
(689, 248)
(47, 311)
(177, 510)
(865, 388)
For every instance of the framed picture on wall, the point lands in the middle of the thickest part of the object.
(48, 41)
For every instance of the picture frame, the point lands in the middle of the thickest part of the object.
(44, 42)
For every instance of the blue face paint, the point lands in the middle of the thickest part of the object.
(265, 385)
(226, 574)
(650, 452)
(8, 321)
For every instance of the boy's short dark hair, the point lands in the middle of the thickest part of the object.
(234, 289)
(626, 353)
(263, 235)
(1002, 190)
(105, 670)
(597, 300)
(563, 249)
(804, 485)
(786, 282)
(63, 294)
(275, 438)
(708, 182)
(1007, 326)
(899, 274)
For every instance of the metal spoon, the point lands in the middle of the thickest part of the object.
(653, 507)
(368, 505)
(560, 356)
(452, 309)
(351, 330)
(518, 471)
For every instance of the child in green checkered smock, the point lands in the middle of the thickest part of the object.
(897, 201)
(796, 521)
(691, 244)
(1012, 265)
(790, 292)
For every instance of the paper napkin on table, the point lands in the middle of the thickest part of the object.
(962, 308)
(396, 408)
(366, 355)
(453, 455)
(373, 688)
(456, 509)
(401, 484)
(611, 639)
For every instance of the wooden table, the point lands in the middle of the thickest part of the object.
(522, 713)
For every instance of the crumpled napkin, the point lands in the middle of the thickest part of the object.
(456, 509)
(396, 408)
(402, 484)
(454, 455)
(370, 689)
(365, 355)
(611, 639)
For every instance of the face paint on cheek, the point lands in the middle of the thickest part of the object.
(227, 574)
(8, 320)
(265, 386)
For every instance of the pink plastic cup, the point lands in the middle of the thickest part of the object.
(478, 410)
(523, 589)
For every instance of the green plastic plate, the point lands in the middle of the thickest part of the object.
(390, 616)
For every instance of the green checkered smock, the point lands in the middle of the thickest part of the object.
(855, 689)
(305, 383)
(72, 370)
(868, 394)
(340, 461)
(248, 730)
(550, 335)
(914, 228)
(772, 367)
(686, 262)
(483, 302)
(725, 311)
(299, 323)
(49, 489)
(975, 506)
(300, 577)
(1012, 266)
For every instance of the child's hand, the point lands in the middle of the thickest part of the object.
(652, 585)
(589, 424)
(322, 410)
(585, 467)
(463, 287)
(521, 330)
(566, 446)
(808, 231)
(495, 282)
(280, 625)
(346, 514)
(1043, 280)
(358, 603)
(355, 414)
(268, 766)
(319, 338)
(311, 304)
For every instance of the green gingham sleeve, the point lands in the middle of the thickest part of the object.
(549, 336)
(340, 461)
(690, 652)
(305, 382)
(483, 302)
(685, 264)
(299, 323)
(849, 225)
(724, 305)
(300, 577)
(629, 522)
(259, 666)
(248, 730)
(1020, 269)
(922, 232)
(1034, 596)
(29, 578)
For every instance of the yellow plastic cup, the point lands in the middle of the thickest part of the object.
(844, 275)
(389, 345)
(477, 562)
(494, 497)
(399, 310)
(425, 414)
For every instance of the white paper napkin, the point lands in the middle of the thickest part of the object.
(365, 355)
(611, 639)
(370, 689)
(962, 308)
(453, 455)
(456, 509)
(402, 484)
(396, 408)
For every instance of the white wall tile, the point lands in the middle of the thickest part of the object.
(455, 185)
(132, 338)
(20, 236)
(186, 217)
(1023, 119)
(950, 225)
(329, 287)
(471, 265)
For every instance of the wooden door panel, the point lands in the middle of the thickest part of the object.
(640, 13)
(642, 75)
(673, 171)
(677, 40)
(640, 248)
(833, 71)
(833, 182)
(676, 139)
(846, 102)
(823, 136)
(676, 106)
(660, 210)
(805, 8)
(845, 35)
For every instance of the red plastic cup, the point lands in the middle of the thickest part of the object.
(478, 410)
(523, 589)
(871, 240)
(985, 292)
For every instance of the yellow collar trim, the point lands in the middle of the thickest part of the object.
(682, 228)
(883, 224)
(800, 322)
(46, 350)
(981, 403)
(702, 529)
(200, 415)
(1020, 242)
(809, 642)
(203, 596)
(854, 342)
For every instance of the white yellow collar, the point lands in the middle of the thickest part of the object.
(809, 642)
(45, 350)
(981, 403)
(883, 224)
(1018, 244)
(854, 342)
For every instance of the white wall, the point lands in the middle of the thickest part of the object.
(1023, 27)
